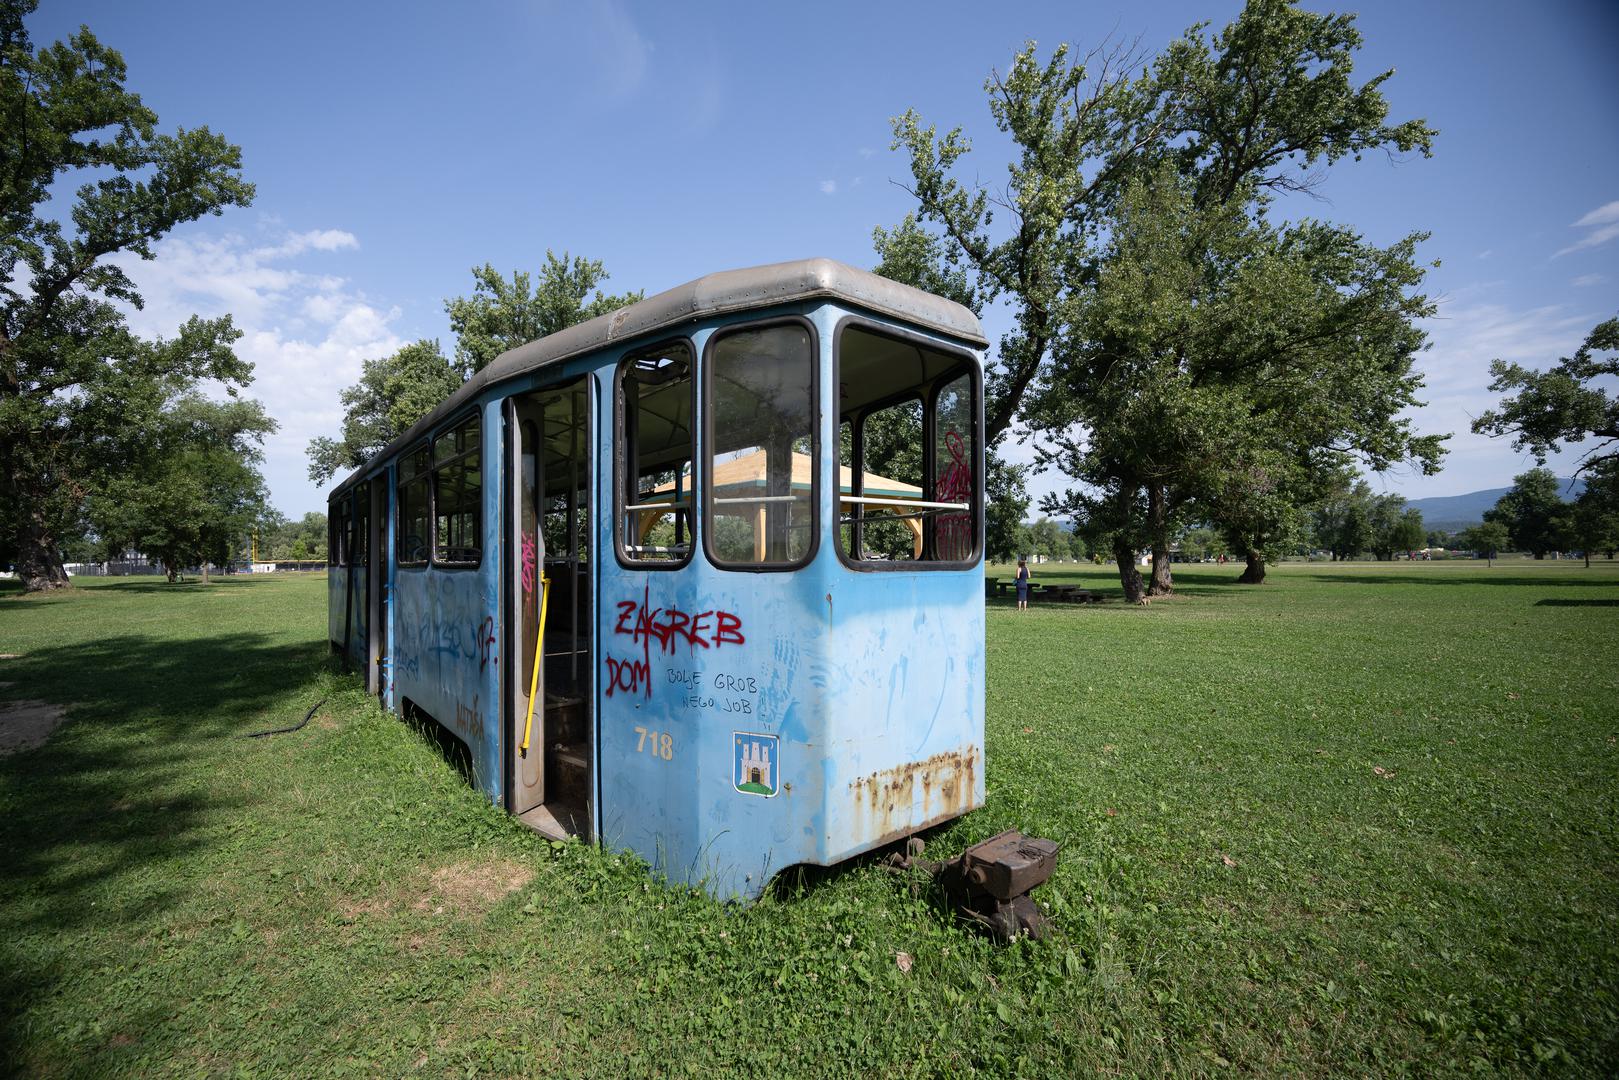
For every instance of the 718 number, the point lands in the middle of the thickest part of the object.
(660, 744)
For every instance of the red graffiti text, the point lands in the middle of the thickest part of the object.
(662, 629)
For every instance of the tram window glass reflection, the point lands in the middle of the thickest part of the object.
(760, 493)
(909, 487)
(655, 489)
(411, 538)
(338, 545)
(362, 525)
(457, 496)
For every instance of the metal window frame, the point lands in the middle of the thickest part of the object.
(621, 457)
(930, 401)
(399, 505)
(476, 416)
(816, 447)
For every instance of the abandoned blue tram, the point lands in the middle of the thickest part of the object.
(699, 578)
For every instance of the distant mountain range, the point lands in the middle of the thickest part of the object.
(1453, 512)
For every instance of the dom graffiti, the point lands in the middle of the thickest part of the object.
(662, 630)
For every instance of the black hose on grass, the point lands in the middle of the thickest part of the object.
(285, 730)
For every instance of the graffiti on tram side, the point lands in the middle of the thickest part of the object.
(662, 630)
(469, 722)
(433, 642)
(722, 691)
(485, 637)
(528, 560)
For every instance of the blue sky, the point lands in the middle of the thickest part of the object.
(396, 146)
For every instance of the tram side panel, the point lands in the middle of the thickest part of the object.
(751, 722)
(905, 702)
(710, 759)
(446, 633)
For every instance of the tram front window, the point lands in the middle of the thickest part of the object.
(654, 418)
(909, 484)
(760, 473)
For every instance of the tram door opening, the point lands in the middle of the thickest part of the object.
(553, 777)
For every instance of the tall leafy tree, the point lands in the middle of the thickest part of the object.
(1562, 405)
(504, 313)
(1594, 522)
(1341, 520)
(1259, 109)
(1534, 513)
(66, 353)
(393, 393)
(1231, 370)
(191, 490)
(1487, 540)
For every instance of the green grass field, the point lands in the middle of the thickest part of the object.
(1357, 820)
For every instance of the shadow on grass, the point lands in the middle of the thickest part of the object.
(442, 741)
(1481, 577)
(97, 825)
(1582, 602)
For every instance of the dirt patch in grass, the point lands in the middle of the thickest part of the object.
(27, 724)
(466, 887)
(471, 888)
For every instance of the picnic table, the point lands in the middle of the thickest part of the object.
(1073, 594)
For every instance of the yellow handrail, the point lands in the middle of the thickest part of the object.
(534, 678)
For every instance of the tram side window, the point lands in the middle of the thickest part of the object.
(338, 544)
(458, 496)
(759, 497)
(909, 489)
(411, 537)
(655, 489)
(362, 526)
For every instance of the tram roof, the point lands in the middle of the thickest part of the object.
(713, 294)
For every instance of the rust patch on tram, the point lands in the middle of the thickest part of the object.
(893, 803)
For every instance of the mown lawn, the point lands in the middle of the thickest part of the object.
(1358, 820)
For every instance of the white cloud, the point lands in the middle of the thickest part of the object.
(624, 54)
(829, 187)
(1485, 254)
(305, 333)
(1603, 223)
(1607, 214)
(1465, 338)
(314, 240)
(1588, 279)
(866, 151)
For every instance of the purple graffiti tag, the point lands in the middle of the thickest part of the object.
(528, 565)
(956, 485)
(485, 636)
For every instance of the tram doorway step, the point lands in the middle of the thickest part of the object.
(558, 821)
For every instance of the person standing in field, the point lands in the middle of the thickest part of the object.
(1023, 585)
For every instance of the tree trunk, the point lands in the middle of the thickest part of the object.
(39, 562)
(169, 567)
(205, 571)
(1255, 572)
(1129, 576)
(1158, 525)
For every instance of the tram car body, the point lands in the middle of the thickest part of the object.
(700, 578)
